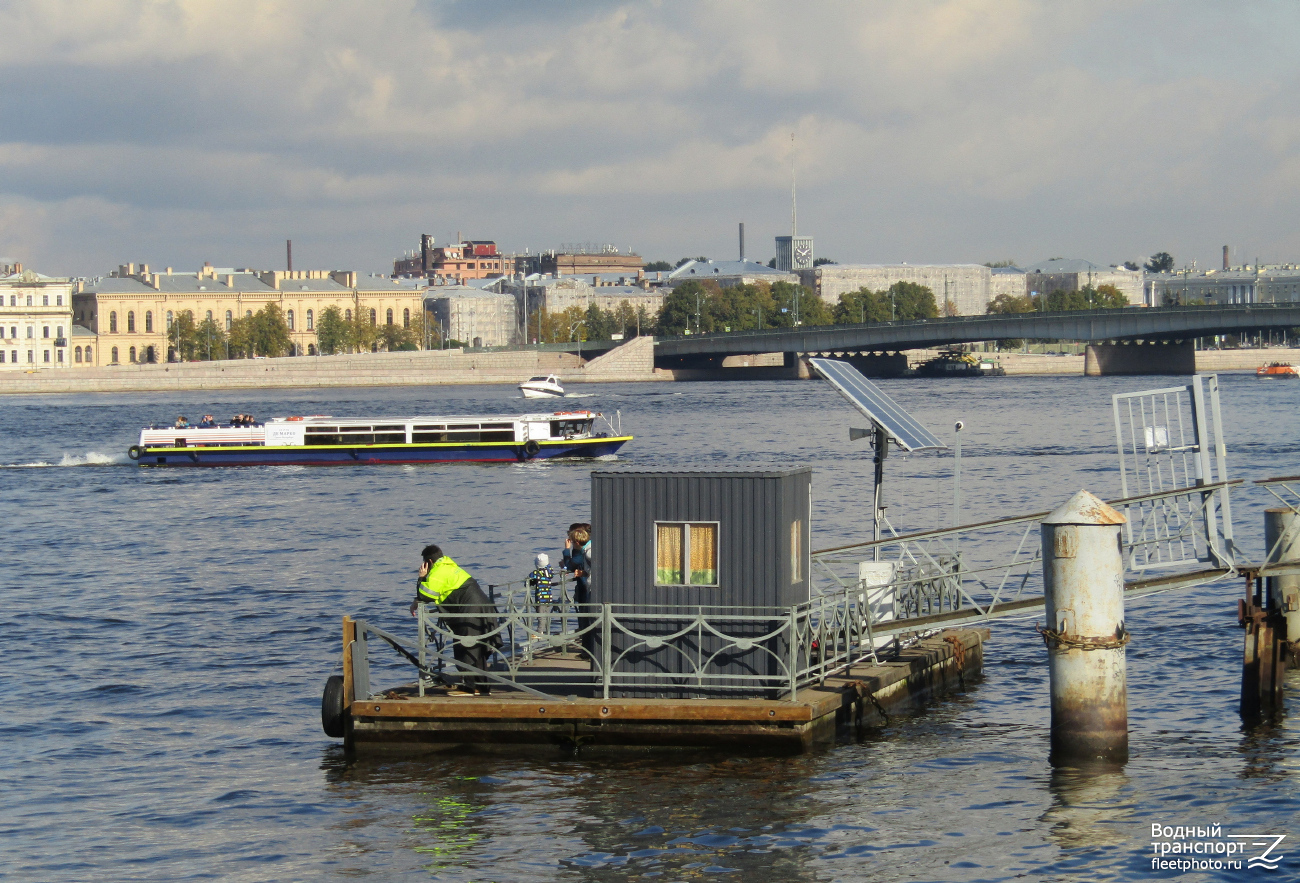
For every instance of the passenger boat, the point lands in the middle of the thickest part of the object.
(1277, 369)
(547, 387)
(330, 441)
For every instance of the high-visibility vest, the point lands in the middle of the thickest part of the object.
(444, 577)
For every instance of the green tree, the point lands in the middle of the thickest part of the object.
(1011, 303)
(1161, 262)
(1009, 262)
(363, 332)
(679, 309)
(242, 337)
(331, 331)
(270, 331)
(821, 262)
(182, 336)
(600, 323)
(657, 267)
(911, 301)
(210, 340)
(395, 338)
(1108, 297)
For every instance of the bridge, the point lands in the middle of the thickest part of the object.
(1152, 324)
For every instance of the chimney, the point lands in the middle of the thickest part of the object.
(742, 241)
(1225, 257)
(288, 255)
(144, 269)
(426, 245)
(169, 271)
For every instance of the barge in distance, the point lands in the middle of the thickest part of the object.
(329, 441)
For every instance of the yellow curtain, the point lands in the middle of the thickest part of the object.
(668, 560)
(704, 554)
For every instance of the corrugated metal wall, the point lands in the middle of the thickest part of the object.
(754, 512)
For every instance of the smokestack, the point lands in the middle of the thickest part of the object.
(1225, 257)
(425, 241)
(288, 254)
(742, 240)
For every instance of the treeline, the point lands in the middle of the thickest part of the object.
(267, 333)
(592, 323)
(1086, 298)
(704, 307)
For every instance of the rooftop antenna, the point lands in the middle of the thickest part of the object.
(794, 216)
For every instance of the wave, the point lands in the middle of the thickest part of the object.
(90, 458)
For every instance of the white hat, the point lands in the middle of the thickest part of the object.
(542, 560)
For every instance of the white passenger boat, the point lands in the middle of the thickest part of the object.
(326, 441)
(547, 387)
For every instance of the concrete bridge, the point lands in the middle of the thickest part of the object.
(1175, 327)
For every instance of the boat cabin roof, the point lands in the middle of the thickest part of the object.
(326, 420)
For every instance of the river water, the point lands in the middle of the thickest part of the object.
(168, 633)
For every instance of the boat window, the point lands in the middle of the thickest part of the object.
(429, 427)
(464, 436)
(686, 554)
(500, 435)
(568, 428)
(509, 426)
(428, 435)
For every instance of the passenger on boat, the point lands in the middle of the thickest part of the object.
(182, 423)
(454, 591)
(207, 422)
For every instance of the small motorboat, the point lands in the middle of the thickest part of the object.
(547, 387)
(1277, 369)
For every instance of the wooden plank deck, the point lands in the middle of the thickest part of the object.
(864, 696)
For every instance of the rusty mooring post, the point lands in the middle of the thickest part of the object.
(1270, 614)
(1083, 575)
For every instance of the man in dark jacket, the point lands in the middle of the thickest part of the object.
(442, 582)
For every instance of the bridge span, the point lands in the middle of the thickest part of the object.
(1162, 324)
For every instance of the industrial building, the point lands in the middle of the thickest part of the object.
(967, 287)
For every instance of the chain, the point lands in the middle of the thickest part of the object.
(1053, 638)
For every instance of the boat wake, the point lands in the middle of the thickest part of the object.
(91, 458)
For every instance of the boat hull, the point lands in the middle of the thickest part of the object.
(345, 455)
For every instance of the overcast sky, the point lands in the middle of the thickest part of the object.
(174, 133)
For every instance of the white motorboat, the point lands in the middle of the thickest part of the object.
(547, 387)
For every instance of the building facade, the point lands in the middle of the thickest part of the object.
(1243, 285)
(1064, 274)
(36, 323)
(132, 311)
(474, 316)
(579, 263)
(729, 273)
(794, 253)
(454, 263)
(965, 286)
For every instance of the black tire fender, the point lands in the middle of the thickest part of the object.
(531, 447)
(333, 717)
(133, 452)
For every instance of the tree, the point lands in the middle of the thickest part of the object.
(331, 331)
(599, 323)
(1011, 303)
(702, 259)
(912, 301)
(182, 335)
(772, 263)
(362, 332)
(242, 337)
(1131, 265)
(270, 331)
(1009, 262)
(395, 338)
(678, 312)
(1161, 262)
(861, 306)
(819, 262)
(657, 267)
(211, 340)
(1109, 297)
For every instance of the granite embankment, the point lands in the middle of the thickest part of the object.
(633, 361)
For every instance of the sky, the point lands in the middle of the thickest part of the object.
(174, 133)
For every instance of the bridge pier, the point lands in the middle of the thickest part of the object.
(1103, 359)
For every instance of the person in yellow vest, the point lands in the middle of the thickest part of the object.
(443, 583)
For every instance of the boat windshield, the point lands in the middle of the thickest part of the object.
(539, 379)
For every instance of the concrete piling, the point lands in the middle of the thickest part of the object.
(1284, 589)
(1083, 575)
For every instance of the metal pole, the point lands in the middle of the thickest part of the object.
(1083, 577)
(956, 473)
(878, 502)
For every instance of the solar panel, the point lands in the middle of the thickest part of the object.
(879, 408)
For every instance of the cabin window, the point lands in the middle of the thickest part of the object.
(686, 553)
(311, 321)
(130, 322)
(288, 318)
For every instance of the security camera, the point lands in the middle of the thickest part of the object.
(959, 426)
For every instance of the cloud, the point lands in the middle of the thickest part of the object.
(946, 130)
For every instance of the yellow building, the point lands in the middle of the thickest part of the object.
(35, 321)
(132, 310)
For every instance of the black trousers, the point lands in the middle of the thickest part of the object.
(469, 598)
